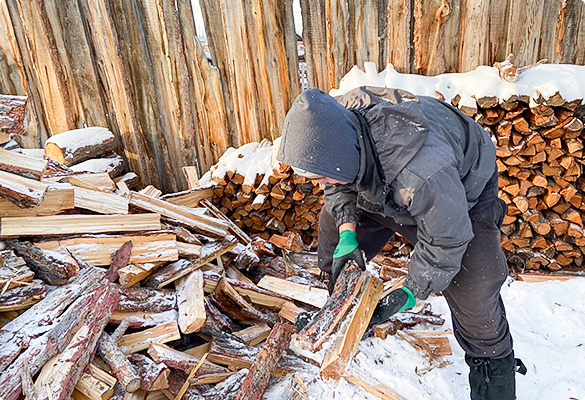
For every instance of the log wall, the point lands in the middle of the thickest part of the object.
(136, 66)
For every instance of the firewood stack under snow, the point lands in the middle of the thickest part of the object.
(108, 292)
(263, 196)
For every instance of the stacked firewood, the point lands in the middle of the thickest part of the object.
(263, 196)
(539, 148)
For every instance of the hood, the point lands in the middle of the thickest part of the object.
(320, 136)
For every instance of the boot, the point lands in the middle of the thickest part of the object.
(494, 379)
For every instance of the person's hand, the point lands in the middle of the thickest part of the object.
(396, 301)
(347, 249)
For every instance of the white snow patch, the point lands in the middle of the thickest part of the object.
(77, 138)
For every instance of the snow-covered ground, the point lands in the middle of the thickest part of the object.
(548, 326)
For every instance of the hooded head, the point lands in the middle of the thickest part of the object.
(320, 137)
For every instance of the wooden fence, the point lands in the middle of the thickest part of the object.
(136, 67)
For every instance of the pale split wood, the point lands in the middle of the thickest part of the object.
(95, 384)
(182, 215)
(377, 389)
(189, 198)
(152, 247)
(134, 342)
(190, 297)
(74, 224)
(343, 346)
(20, 164)
(100, 202)
(93, 181)
(303, 293)
(23, 192)
(57, 199)
(254, 334)
(192, 176)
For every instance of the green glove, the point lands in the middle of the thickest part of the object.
(347, 249)
(347, 243)
(396, 301)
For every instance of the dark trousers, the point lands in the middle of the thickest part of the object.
(477, 310)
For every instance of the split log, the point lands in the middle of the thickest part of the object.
(343, 345)
(147, 299)
(139, 341)
(179, 360)
(181, 215)
(227, 349)
(100, 202)
(176, 270)
(348, 286)
(258, 296)
(233, 228)
(140, 319)
(22, 297)
(189, 198)
(13, 270)
(59, 376)
(228, 389)
(75, 146)
(234, 305)
(147, 247)
(38, 319)
(90, 180)
(377, 389)
(57, 198)
(119, 260)
(87, 315)
(49, 266)
(19, 164)
(288, 241)
(23, 192)
(190, 302)
(290, 311)
(265, 363)
(74, 224)
(253, 334)
(13, 116)
(153, 376)
(94, 384)
(313, 296)
(216, 317)
(121, 367)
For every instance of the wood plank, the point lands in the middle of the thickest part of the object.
(377, 389)
(265, 363)
(176, 359)
(94, 384)
(177, 270)
(19, 164)
(135, 342)
(58, 198)
(254, 334)
(23, 192)
(100, 202)
(189, 198)
(343, 345)
(543, 277)
(190, 297)
(316, 297)
(147, 247)
(75, 224)
(181, 215)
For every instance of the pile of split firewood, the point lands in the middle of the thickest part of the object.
(108, 292)
(263, 196)
(539, 147)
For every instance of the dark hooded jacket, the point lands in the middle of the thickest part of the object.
(415, 159)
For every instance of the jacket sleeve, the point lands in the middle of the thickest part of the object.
(444, 230)
(340, 203)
